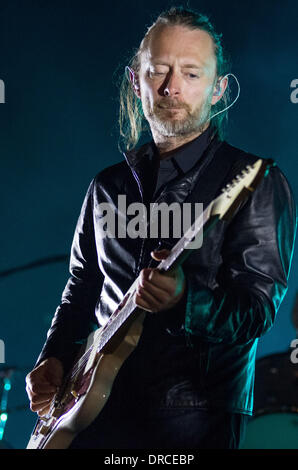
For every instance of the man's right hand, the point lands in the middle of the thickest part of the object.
(42, 384)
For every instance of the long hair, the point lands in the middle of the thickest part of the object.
(132, 122)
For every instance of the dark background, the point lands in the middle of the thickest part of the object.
(58, 127)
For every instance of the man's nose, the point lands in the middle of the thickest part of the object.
(172, 84)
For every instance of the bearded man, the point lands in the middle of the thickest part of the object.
(189, 382)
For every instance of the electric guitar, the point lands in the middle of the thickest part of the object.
(86, 388)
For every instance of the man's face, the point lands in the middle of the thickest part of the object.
(182, 62)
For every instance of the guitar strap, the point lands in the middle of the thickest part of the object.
(218, 167)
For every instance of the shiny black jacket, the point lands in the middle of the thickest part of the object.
(202, 353)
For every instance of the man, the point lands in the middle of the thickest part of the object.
(189, 382)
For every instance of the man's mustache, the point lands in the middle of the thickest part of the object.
(171, 104)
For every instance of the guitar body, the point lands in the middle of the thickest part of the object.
(84, 400)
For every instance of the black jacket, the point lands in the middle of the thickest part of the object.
(201, 353)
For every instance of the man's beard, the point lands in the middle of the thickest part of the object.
(160, 120)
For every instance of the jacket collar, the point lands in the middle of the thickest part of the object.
(139, 162)
(136, 156)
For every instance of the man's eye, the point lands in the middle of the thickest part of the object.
(193, 75)
(156, 73)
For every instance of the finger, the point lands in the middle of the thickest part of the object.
(162, 281)
(35, 407)
(44, 411)
(160, 294)
(37, 399)
(41, 387)
(140, 302)
(160, 254)
(151, 302)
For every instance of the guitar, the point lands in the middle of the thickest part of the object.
(86, 388)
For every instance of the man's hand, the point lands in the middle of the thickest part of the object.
(159, 291)
(42, 384)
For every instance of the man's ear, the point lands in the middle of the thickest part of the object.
(134, 80)
(219, 89)
(136, 86)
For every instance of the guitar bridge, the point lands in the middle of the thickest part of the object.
(74, 394)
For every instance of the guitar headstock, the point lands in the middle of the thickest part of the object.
(240, 188)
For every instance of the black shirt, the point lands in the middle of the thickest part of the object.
(179, 162)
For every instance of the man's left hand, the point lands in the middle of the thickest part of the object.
(158, 291)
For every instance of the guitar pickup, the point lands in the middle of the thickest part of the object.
(44, 430)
